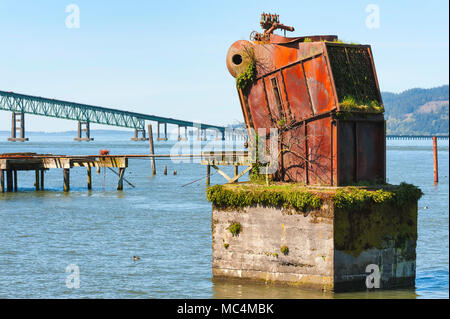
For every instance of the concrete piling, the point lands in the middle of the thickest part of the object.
(18, 117)
(86, 130)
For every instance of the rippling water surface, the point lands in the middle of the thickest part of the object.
(168, 226)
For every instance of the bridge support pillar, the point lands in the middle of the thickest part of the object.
(86, 130)
(18, 117)
(201, 134)
(185, 138)
(136, 135)
(159, 138)
(222, 135)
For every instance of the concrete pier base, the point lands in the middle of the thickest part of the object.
(18, 124)
(136, 135)
(327, 249)
(87, 132)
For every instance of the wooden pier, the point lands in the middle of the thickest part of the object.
(234, 158)
(11, 163)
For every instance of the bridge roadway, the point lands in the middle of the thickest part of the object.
(20, 104)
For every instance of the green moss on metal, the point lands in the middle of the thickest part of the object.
(285, 196)
(351, 104)
(247, 77)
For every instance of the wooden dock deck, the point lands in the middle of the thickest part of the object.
(11, 163)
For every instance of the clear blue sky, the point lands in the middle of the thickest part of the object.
(168, 57)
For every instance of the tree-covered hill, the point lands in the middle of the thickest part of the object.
(417, 111)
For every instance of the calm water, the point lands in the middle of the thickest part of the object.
(169, 227)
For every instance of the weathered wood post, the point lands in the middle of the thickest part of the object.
(42, 179)
(36, 182)
(165, 169)
(152, 150)
(89, 177)
(9, 180)
(120, 182)
(236, 171)
(66, 175)
(15, 180)
(2, 181)
(435, 157)
(208, 174)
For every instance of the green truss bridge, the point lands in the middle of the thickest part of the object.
(21, 104)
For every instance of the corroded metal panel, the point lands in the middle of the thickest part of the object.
(299, 86)
(297, 92)
(319, 151)
(319, 84)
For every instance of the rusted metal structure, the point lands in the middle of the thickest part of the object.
(300, 86)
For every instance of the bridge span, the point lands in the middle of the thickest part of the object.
(21, 104)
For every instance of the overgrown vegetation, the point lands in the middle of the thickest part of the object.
(351, 104)
(247, 77)
(235, 228)
(284, 250)
(271, 196)
(352, 198)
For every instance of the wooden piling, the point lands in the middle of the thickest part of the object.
(42, 179)
(165, 169)
(9, 180)
(15, 180)
(36, 183)
(208, 174)
(66, 175)
(236, 171)
(2, 181)
(435, 157)
(89, 177)
(152, 150)
(120, 182)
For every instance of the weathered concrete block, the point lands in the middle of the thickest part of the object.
(329, 247)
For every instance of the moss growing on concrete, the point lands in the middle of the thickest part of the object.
(235, 228)
(369, 219)
(353, 198)
(287, 196)
(284, 250)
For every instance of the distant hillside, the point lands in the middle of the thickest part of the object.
(417, 111)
